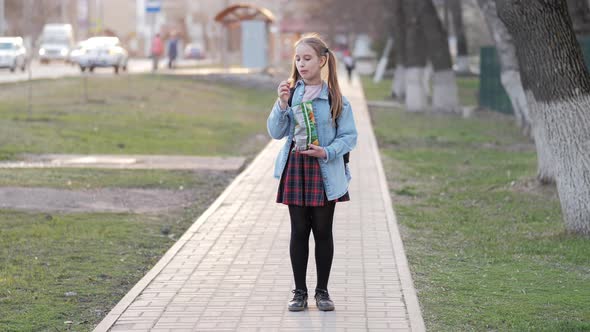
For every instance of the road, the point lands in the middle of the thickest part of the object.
(57, 70)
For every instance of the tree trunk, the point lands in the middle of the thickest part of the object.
(558, 89)
(445, 97)
(510, 74)
(459, 29)
(580, 14)
(398, 88)
(416, 100)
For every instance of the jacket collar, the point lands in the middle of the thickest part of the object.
(323, 93)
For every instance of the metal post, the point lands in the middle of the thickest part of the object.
(2, 19)
(64, 15)
(96, 16)
(29, 19)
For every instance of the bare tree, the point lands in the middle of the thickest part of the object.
(348, 17)
(445, 97)
(580, 14)
(398, 88)
(456, 10)
(510, 74)
(44, 12)
(416, 50)
(557, 86)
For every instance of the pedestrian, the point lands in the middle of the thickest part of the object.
(312, 180)
(349, 64)
(172, 50)
(157, 50)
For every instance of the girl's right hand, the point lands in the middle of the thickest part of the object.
(284, 94)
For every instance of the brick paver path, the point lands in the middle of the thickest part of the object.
(231, 269)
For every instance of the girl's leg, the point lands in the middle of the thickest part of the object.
(321, 224)
(299, 245)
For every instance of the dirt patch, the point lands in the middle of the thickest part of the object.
(533, 186)
(169, 162)
(111, 200)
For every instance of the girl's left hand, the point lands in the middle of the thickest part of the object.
(315, 151)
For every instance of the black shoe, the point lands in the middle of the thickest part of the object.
(323, 301)
(299, 301)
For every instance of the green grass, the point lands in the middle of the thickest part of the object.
(468, 88)
(376, 91)
(487, 246)
(72, 178)
(133, 115)
(98, 256)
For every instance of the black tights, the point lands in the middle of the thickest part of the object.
(303, 221)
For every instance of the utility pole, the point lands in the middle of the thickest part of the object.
(2, 19)
(63, 9)
(29, 19)
(97, 18)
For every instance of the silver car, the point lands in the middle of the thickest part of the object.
(13, 53)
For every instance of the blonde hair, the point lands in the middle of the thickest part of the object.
(314, 41)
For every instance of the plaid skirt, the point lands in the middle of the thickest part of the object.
(301, 183)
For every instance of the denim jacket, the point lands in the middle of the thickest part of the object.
(336, 140)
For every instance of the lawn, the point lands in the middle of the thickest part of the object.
(486, 244)
(65, 271)
(468, 89)
(133, 115)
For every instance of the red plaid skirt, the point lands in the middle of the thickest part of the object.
(301, 183)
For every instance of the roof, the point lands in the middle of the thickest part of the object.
(244, 12)
(11, 40)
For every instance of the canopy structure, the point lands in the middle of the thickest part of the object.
(246, 34)
(237, 13)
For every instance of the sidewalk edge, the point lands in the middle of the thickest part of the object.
(408, 290)
(110, 319)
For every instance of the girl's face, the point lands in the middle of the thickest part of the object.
(309, 65)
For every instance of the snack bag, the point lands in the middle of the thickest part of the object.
(305, 129)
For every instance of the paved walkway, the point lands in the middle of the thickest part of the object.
(231, 269)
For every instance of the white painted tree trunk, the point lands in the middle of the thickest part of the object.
(427, 78)
(398, 87)
(545, 163)
(416, 99)
(462, 62)
(566, 126)
(445, 96)
(509, 63)
(513, 86)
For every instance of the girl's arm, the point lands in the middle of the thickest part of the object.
(346, 134)
(279, 121)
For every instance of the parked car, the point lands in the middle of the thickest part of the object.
(103, 52)
(194, 51)
(56, 42)
(13, 53)
(77, 52)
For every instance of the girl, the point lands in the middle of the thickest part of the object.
(312, 181)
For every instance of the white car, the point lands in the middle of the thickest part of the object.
(103, 52)
(194, 51)
(55, 42)
(13, 53)
(77, 53)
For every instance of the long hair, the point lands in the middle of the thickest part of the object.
(319, 46)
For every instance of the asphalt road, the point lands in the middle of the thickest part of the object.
(59, 69)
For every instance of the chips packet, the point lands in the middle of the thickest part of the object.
(305, 128)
